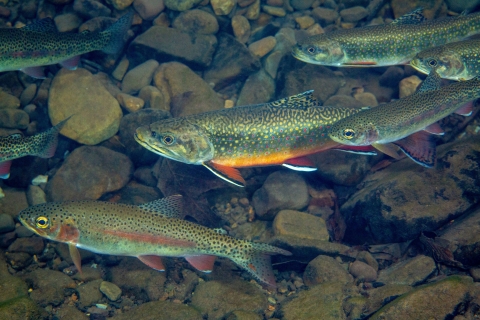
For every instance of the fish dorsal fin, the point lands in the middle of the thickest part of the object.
(44, 25)
(169, 207)
(299, 101)
(15, 136)
(432, 82)
(414, 17)
(420, 147)
(220, 231)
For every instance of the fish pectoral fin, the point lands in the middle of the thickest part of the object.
(34, 72)
(5, 169)
(170, 207)
(465, 110)
(154, 262)
(389, 149)
(300, 164)
(420, 147)
(71, 64)
(414, 17)
(432, 82)
(75, 255)
(202, 263)
(435, 128)
(228, 174)
(366, 150)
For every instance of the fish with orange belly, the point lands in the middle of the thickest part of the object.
(282, 132)
(148, 232)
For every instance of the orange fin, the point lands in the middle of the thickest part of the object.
(300, 164)
(367, 150)
(435, 128)
(388, 149)
(228, 174)
(154, 262)
(5, 169)
(202, 263)
(420, 147)
(77, 260)
(466, 109)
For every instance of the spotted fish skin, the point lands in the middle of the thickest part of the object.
(120, 229)
(39, 44)
(455, 61)
(384, 45)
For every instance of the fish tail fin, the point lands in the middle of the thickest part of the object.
(50, 140)
(115, 34)
(256, 260)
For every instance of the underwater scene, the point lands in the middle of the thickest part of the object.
(239, 159)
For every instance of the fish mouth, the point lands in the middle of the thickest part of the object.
(151, 147)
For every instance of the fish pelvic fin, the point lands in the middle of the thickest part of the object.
(154, 262)
(300, 164)
(365, 150)
(420, 147)
(228, 174)
(389, 149)
(169, 207)
(115, 34)
(75, 255)
(202, 263)
(5, 169)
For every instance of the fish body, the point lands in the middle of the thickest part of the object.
(148, 232)
(455, 61)
(394, 121)
(16, 146)
(276, 133)
(40, 44)
(384, 45)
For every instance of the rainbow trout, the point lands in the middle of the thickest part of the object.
(282, 132)
(148, 232)
(454, 61)
(401, 121)
(16, 146)
(385, 45)
(39, 44)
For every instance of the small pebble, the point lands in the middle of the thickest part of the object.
(241, 28)
(110, 290)
(229, 104)
(263, 46)
(6, 223)
(305, 22)
(39, 180)
(274, 11)
(130, 103)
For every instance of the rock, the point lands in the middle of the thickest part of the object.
(137, 194)
(149, 9)
(120, 4)
(34, 245)
(285, 40)
(324, 15)
(90, 124)
(91, 8)
(189, 94)
(410, 272)
(430, 9)
(95, 170)
(8, 101)
(274, 11)
(145, 176)
(130, 103)
(121, 69)
(243, 315)
(223, 7)
(462, 5)
(35, 195)
(301, 4)
(70, 312)
(398, 202)
(23, 232)
(196, 21)
(262, 47)
(18, 260)
(408, 86)
(154, 98)
(253, 11)
(378, 297)
(391, 77)
(13, 118)
(169, 44)
(353, 14)
(88, 274)
(215, 299)
(6, 223)
(281, 190)
(341, 100)
(366, 257)
(110, 290)
(362, 271)
(324, 269)
(366, 99)
(244, 3)
(13, 202)
(305, 22)
(259, 88)
(181, 5)
(28, 94)
(160, 310)
(12, 287)
(139, 77)
(436, 300)
(89, 293)
(138, 154)
(231, 62)
(21, 308)
(28, 9)
(67, 22)
(241, 28)
(300, 225)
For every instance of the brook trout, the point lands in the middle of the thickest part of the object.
(147, 232)
(282, 132)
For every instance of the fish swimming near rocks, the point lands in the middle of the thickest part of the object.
(148, 232)
(407, 122)
(17, 145)
(385, 45)
(282, 132)
(39, 44)
(455, 61)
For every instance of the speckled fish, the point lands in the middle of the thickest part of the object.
(16, 146)
(407, 122)
(148, 232)
(385, 45)
(40, 44)
(282, 132)
(455, 61)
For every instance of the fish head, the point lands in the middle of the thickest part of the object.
(176, 139)
(447, 63)
(321, 50)
(355, 132)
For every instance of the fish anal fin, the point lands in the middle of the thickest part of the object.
(434, 128)
(154, 262)
(389, 149)
(300, 164)
(414, 17)
(34, 72)
(5, 169)
(170, 207)
(366, 150)
(420, 147)
(71, 63)
(75, 255)
(465, 110)
(228, 174)
(202, 263)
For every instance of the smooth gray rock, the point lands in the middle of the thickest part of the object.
(6, 223)
(325, 269)
(139, 77)
(410, 272)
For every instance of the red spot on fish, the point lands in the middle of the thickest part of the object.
(281, 130)
(251, 266)
(311, 140)
(18, 54)
(328, 127)
(287, 138)
(273, 137)
(68, 233)
(323, 134)
(321, 127)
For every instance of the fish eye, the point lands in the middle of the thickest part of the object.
(168, 140)
(432, 63)
(348, 133)
(311, 50)
(42, 222)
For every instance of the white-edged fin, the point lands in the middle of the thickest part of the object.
(169, 207)
(432, 82)
(154, 262)
(202, 263)
(420, 147)
(228, 174)
(414, 17)
(300, 164)
(465, 110)
(34, 72)
(5, 169)
(71, 64)
(435, 128)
